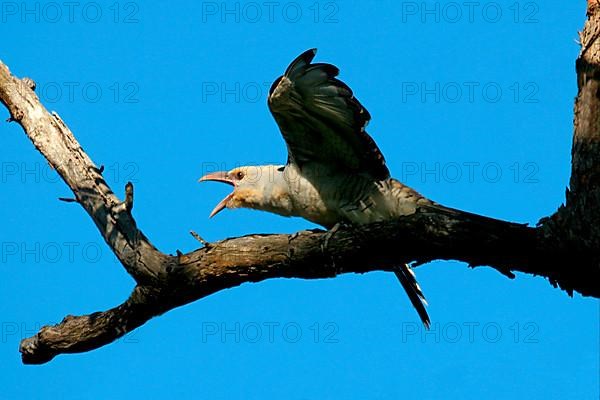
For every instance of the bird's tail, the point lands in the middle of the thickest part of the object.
(413, 290)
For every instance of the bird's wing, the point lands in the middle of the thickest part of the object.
(321, 120)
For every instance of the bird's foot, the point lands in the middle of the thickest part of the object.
(330, 233)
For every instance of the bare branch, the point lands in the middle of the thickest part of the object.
(254, 258)
(199, 238)
(575, 227)
(56, 142)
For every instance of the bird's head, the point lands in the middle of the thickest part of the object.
(257, 187)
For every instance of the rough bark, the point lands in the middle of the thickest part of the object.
(563, 248)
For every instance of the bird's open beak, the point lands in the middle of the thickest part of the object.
(219, 177)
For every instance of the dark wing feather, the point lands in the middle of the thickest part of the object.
(321, 120)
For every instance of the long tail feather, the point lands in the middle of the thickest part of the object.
(415, 295)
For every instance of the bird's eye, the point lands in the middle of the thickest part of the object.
(239, 175)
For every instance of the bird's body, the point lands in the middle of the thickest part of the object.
(325, 196)
(335, 172)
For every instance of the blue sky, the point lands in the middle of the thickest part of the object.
(471, 105)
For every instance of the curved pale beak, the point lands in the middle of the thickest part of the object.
(220, 176)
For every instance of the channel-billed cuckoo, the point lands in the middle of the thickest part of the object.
(335, 173)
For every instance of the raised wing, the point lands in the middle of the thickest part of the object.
(321, 120)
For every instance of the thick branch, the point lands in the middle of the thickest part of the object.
(254, 258)
(166, 282)
(575, 227)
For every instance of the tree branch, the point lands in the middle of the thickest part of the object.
(166, 281)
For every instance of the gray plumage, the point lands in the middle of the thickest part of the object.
(335, 172)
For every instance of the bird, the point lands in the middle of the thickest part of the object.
(335, 173)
